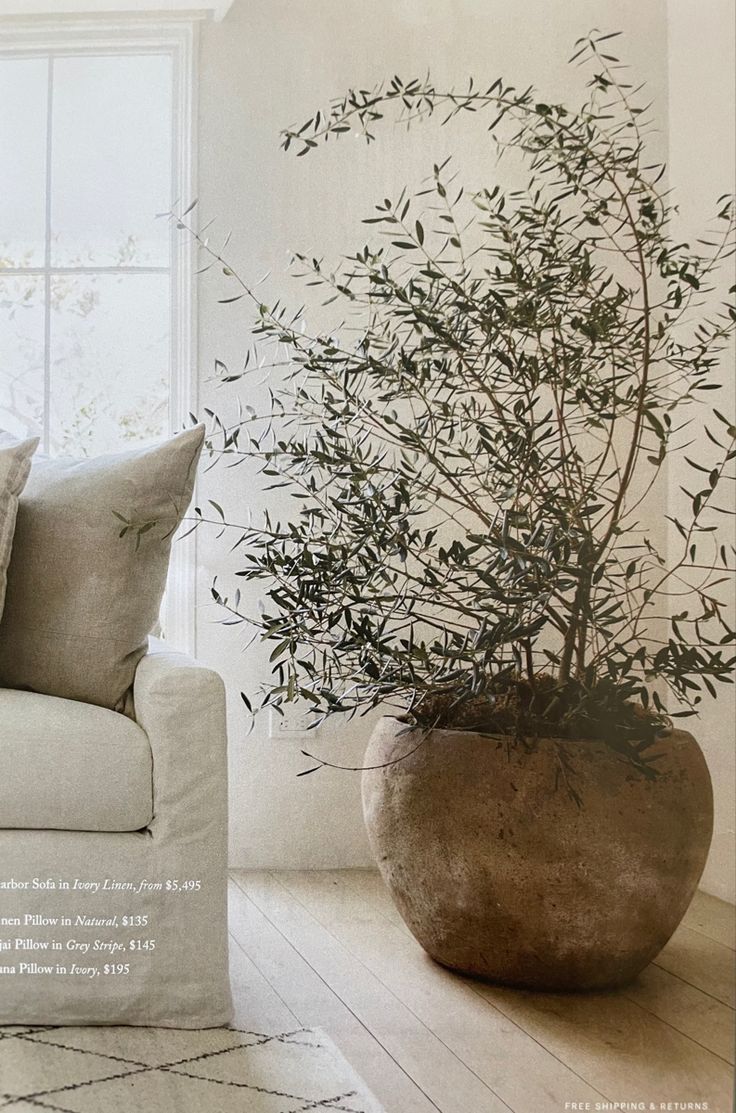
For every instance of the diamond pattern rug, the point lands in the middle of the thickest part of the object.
(166, 1070)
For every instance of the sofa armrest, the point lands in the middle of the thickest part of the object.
(180, 705)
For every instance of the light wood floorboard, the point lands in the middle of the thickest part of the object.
(314, 1005)
(435, 1070)
(688, 1009)
(257, 1007)
(712, 917)
(328, 949)
(701, 962)
(483, 1038)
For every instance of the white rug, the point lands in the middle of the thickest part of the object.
(163, 1070)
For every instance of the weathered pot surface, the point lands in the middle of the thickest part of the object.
(499, 873)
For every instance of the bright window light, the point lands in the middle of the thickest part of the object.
(85, 265)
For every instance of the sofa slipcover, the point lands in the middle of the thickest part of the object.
(71, 766)
(67, 898)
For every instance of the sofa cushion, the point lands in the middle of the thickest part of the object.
(70, 766)
(15, 464)
(89, 566)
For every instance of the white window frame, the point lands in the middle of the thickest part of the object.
(217, 8)
(176, 36)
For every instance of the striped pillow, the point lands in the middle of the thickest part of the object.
(15, 464)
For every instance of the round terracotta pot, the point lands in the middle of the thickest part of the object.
(499, 873)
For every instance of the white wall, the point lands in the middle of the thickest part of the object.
(701, 141)
(268, 65)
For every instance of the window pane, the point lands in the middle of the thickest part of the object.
(111, 160)
(23, 91)
(109, 361)
(21, 355)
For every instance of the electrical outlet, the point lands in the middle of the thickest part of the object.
(294, 721)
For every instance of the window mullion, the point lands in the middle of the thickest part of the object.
(47, 263)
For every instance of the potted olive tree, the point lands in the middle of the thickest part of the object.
(476, 546)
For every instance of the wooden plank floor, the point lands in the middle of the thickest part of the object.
(328, 949)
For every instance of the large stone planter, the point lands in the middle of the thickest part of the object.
(498, 873)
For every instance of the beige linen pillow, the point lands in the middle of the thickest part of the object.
(15, 464)
(82, 598)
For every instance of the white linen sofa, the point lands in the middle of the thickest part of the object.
(113, 831)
